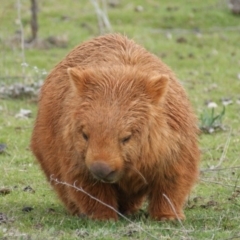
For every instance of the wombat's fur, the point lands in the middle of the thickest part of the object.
(114, 120)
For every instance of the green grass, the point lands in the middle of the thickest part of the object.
(207, 61)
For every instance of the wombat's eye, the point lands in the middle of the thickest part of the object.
(126, 139)
(85, 136)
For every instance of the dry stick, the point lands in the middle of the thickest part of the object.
(106, 205)
(105, 15)
(102, 17)
(34, 19)
(22, 35)
(98, 12)
(104, 6)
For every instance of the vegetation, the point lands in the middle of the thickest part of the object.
(198, 39)
(210, 122)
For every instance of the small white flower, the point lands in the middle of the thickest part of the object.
(212, 105)
(169, 36)
(211, 130)
(214, 52)
(139, 8)
(226, 101)
(238, 76)
(24, 64)
(35, 69)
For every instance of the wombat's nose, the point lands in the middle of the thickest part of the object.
(102, 171)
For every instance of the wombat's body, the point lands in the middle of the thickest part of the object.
(114, 120)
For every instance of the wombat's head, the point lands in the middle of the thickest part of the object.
(112, 110)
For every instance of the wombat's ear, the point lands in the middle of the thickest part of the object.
(157, 87)
(77, 79)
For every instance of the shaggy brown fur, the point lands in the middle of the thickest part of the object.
(114, 120)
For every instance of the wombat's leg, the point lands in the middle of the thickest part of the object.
(129, 204)
(94, 207)
(160, 209)
(169, 193)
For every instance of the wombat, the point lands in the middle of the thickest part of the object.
(114, 120)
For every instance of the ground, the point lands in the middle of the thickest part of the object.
(198, 40)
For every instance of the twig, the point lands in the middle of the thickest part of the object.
(34, 20)
(102, 16)
(106, 205)
(22, 36)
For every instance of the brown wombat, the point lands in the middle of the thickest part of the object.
(114, 121)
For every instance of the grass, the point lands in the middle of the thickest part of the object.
(200, 42)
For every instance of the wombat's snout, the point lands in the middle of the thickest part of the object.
(103, 172)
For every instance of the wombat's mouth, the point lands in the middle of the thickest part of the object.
(103, 172)
(108, 179)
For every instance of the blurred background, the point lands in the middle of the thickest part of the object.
(40, 32)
